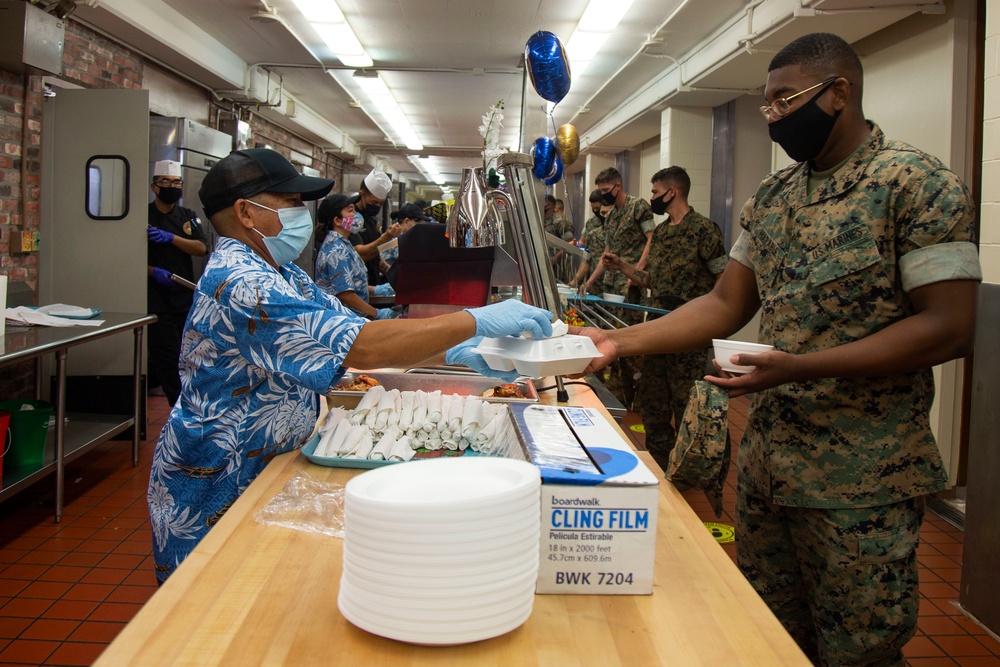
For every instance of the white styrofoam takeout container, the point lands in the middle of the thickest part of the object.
(724, 349)
(562, 355)
(616, 298)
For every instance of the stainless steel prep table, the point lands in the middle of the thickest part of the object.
(83, 431)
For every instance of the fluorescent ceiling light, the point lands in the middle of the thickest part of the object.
(320, 11)
(382, 103)
(599, 20)
(603, 15)
(331, 26)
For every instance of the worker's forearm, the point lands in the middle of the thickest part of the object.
(356, 303)
(369, 251)
(193, 247)
(404, 343)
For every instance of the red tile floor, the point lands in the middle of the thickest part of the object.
(67, 589)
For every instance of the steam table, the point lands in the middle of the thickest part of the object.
(67, 440)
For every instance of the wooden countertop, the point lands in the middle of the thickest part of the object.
(257, 595)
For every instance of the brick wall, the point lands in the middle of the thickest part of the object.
(266, 132)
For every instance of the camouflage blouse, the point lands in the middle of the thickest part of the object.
(683, 260)
(625, 230)
(833, 267)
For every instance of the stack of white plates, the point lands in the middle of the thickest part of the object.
(442, 551)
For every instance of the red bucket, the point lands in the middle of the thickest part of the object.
(7, 439)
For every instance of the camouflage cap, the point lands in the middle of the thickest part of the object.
(700, 458)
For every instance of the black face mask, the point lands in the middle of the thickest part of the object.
(659, 206)
(608, 199)
(169, 196)
(371, 210)
(803, 133)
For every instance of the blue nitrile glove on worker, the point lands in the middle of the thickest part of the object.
(385, 289)
(384, 314)
(510, 318)
(157, 235)
(162, 277)
(464, 354)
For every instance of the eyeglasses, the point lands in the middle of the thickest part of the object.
(781, 106)
(167, 183)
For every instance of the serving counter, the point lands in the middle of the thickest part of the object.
(257, 595)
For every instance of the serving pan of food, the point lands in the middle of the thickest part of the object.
(348, 392)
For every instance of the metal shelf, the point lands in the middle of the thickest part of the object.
(82, 433)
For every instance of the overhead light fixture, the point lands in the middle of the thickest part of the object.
(599, 20)
(320, 11)
(426, 167)
(383, 104)
(329, 22)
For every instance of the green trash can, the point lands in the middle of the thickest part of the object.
(29, 424)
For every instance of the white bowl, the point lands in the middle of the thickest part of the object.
(617, 298)
(725, 349)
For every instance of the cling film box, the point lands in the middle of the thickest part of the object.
(599, 503)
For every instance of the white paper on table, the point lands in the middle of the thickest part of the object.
(25, 315)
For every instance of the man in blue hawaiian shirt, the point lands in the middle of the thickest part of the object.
(262, 342)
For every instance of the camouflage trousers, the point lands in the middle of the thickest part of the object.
(664, 390)
(843, 582)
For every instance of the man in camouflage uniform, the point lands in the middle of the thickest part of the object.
(560, 227)
(686, 255)
(628, 230)
(862, 259)
(592, 239)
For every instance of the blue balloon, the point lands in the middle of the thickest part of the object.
(547, 65)
(557, 172)
(544, 153)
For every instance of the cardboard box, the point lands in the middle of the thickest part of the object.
(599, 503)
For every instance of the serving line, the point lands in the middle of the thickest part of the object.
(252, 595)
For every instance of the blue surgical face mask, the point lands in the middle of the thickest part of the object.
(296, 225)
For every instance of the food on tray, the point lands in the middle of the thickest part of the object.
(359, 383)
(399, 425)
(572, 318)
(507, 391)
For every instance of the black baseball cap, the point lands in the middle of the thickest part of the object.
(332, 207)
(249, 172)
(411, 211)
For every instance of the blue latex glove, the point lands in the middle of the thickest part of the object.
(463, 354)
(385, 289)
(162, 277)
(157, 235)
(510, 318)
(384, 314)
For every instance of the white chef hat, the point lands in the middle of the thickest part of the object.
(378, 183)
(167, 168)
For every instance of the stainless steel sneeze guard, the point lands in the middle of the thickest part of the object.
(476, 221)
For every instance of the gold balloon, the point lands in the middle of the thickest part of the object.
(569, 144)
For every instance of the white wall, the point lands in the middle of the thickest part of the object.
(989, 242)
(686, 141)
(649, 164)
(909, 88)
